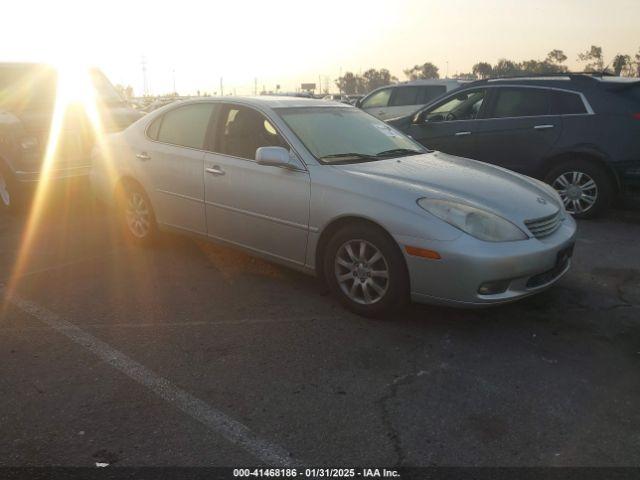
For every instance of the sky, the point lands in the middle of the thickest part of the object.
(287, 42)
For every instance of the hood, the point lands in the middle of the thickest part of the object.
(442, 176)
(113, 118)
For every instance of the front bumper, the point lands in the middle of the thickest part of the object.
(528, 267)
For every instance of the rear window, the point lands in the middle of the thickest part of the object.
(566, 103)
(186, 126)
(521, 102)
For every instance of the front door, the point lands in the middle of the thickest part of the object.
(260, 207)
(450, 126)
(377, 104)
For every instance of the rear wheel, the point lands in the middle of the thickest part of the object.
(136, 215)
(365, 270)
(585, 188)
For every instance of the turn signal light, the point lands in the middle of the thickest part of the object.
(636, 116)
(422, 252)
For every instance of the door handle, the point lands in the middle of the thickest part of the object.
(461, 134)
(544, 127)
(215, 170)
(144, 156)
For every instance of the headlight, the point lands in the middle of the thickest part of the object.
(477, 223)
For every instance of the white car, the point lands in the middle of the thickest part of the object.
(329, 190)
(404, 98)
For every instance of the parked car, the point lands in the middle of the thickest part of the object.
(404, 98)
(336, 97)
(330, 190)
(353, 99)
(27, 97)
(579, 133)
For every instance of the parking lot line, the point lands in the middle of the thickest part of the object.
(230, 429)
(241, 321)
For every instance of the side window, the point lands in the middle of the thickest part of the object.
(186, 126)
(405, 96)
(378, 99)
(521, 102)
(566, 103)
(243, 130)
(462, 106)
(154, 128)
(430, 92)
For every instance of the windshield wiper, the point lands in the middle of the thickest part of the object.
(398, 152)
(344, 156)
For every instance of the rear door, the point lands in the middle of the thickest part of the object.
(518, 128)
(450, 126)
(171, 163)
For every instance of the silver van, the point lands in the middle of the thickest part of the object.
(405, 98)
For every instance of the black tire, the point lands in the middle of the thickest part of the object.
(131, 196)
(396, 287)
(604, 188)
(13, 196)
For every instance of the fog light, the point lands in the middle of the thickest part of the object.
(493, 288)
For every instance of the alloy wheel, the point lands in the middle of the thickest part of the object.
(578, 191)
(362, 271)
(138, 215)
(5, 196)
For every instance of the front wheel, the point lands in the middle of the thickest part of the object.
(12, 197)
(366, 271)
(585, 188)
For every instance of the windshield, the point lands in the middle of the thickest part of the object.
(335, 134)
(27, 87)
(103, 88)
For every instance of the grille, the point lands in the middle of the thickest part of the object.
(545, 226)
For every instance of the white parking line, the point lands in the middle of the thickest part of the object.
(157, 325)
(232, 430)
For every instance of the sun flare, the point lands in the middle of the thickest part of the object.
(74, 90)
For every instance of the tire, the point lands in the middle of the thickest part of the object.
(585, 187)
(13, 197)
(359, 281)
(136, 215)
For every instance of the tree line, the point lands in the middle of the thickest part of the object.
(593, 61)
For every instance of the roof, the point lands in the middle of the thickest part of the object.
(545, 79)
(268, 101)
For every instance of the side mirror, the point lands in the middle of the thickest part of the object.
(273, 156)
(419, 118)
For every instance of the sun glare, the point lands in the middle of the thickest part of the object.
(74, 90)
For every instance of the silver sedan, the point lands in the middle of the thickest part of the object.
(332, 191)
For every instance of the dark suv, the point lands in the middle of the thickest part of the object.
(579, 133)
(27, 100)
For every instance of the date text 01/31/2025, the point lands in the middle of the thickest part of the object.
(315, 472)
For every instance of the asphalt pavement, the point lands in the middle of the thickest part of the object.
(191, 354)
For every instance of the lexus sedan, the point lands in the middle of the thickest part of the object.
(332, 191)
